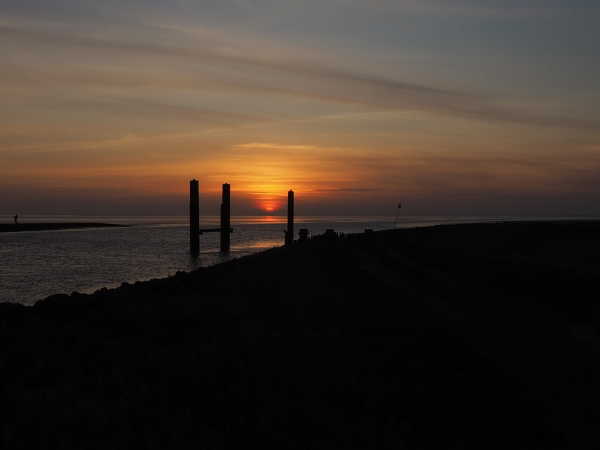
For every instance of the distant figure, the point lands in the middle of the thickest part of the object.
(16, 219)
(397, 213)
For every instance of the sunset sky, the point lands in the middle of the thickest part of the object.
(479, 107)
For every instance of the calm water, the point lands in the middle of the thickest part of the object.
(34, 265)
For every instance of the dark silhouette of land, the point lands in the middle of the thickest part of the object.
(464, 336)
(4, 227)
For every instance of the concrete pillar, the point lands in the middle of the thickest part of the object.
(194, 218)
(289, 235)
(226, 218)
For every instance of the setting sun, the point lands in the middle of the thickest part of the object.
(269, 206)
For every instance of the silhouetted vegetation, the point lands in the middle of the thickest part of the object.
(465, 336)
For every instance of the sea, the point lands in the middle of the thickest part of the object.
(37, 264)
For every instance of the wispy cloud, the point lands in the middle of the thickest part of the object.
(278, 147)
(244, 69)
(504, 9)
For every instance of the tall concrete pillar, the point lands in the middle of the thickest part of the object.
(289, 234)
(226, 218)
(194, 218)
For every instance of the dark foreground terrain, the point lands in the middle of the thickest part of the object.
(11, 227)
(467, 336)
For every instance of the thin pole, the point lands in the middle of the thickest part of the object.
(289, 235)
(226, 218)
(397, 214)
(194, 218)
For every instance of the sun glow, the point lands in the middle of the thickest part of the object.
(269, 206)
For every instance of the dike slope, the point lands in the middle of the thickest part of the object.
(461, 336)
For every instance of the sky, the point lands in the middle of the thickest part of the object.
(453, 107)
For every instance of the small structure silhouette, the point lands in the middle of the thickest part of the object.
(16, 219)
(330, 234)
(303, 234)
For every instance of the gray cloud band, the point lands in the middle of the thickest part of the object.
(297, 78)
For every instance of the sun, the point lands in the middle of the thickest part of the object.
(268, 206)
(268, 199)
